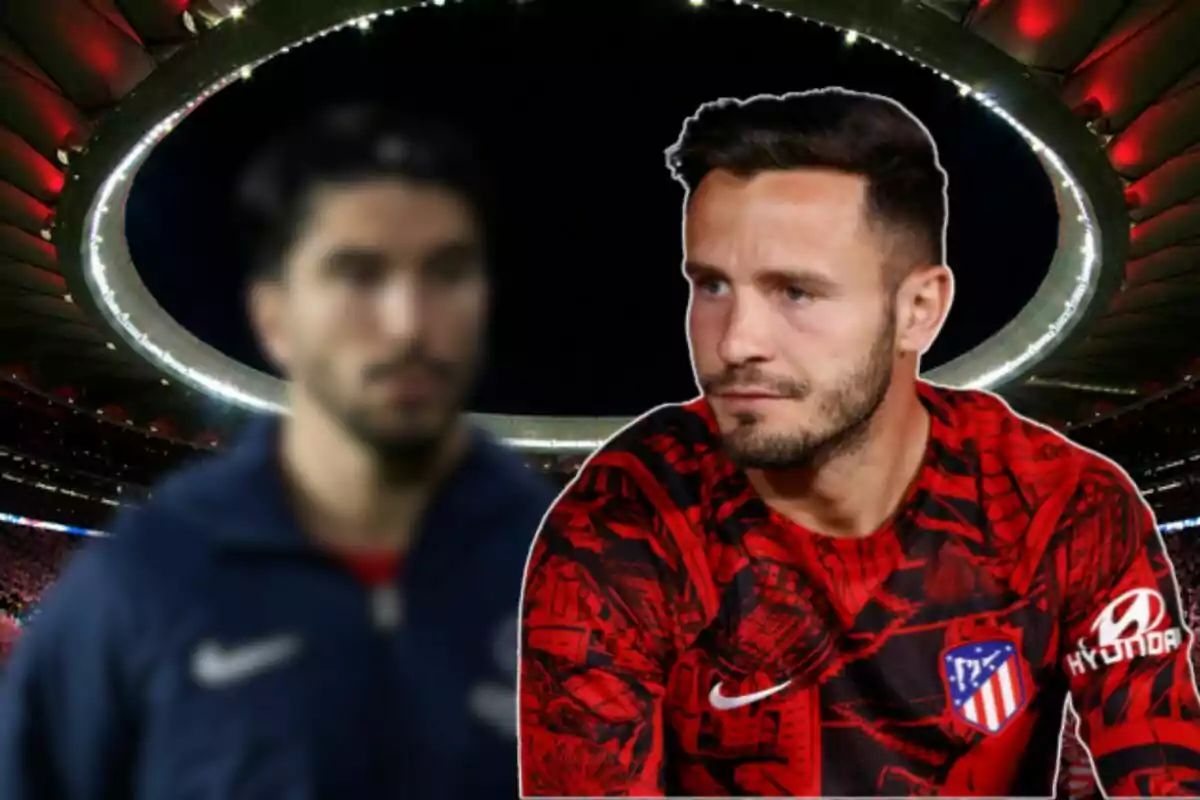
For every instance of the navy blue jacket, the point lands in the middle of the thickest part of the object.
(209, 650)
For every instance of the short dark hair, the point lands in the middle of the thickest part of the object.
(852, 132)
(345, 144)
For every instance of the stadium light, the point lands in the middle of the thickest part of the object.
(98, 264)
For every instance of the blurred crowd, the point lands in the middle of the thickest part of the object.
(32, 559)
(1159, 445)
(1185, 555)
(10, 631)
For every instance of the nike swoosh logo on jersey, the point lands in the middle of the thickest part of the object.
(214, 666)
(722, 703)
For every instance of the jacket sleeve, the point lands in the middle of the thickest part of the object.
(1127, 646)
(67, 723)
(605, 591)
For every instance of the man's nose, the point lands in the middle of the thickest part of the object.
(399, 308)
(745, 337)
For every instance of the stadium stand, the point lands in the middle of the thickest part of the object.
(1158, 444)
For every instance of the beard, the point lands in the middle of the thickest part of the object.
(406, 439)
(404, 449)
(844, 411)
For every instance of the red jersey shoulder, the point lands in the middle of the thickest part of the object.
(661, 464)
(638, 503)
(1024, 476)
(1041, 460)
(1037, 451)
(677, 432)
(672, 452)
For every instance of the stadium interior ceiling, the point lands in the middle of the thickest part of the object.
(1127, 70)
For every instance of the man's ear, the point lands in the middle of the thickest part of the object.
(265, 304)
(923, 302)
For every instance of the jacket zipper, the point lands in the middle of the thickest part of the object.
(387, 607)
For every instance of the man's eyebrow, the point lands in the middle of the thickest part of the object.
(695, 269)
(352, 256)
(806, 278)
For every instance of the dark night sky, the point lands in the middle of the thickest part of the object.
(574, 109)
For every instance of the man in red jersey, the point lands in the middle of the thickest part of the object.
(824, 576)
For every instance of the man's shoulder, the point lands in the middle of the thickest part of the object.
(1054, 477)
(648, 480)
(508, 501)
(508, 477)
(635, 508)
(669, 438)
(182, 508)
(145, 562)
(985, 424)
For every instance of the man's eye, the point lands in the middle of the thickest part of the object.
(453, 271)
(795, 294)
(361, 275)
(361, 270)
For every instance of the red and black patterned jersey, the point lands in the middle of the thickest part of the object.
(680, 637)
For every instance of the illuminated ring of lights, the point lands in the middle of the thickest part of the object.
(1093, 222)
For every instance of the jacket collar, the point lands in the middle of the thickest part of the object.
(253, 510)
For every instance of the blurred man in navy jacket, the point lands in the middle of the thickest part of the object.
(326, 611)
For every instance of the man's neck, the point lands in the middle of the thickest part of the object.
(858, 491)
(345, 497)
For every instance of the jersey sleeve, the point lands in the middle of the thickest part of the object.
(67, 728)
(1126, 646)
(606, 590)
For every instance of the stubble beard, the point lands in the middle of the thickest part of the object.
(406, 452)
(846, 410)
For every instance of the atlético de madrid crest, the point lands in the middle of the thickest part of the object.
(984, 683)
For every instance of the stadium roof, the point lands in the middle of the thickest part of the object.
(82, 83)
